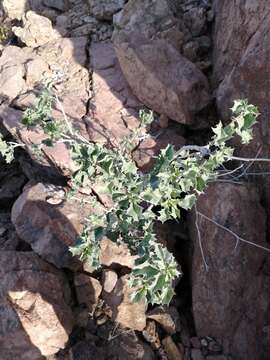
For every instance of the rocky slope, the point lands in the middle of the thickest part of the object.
(187, 60)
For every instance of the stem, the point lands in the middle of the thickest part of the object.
(238, 238)
(200, 239)
(248, 159)
(64, 115)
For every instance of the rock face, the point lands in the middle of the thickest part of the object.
(36, 319)
(241, 70)
(37, 30)
(230, 301)
(50, 229)
(149, 55)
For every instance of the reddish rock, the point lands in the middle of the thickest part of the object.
(151, 146)
(171, 349)
(124, 311)
(36, 319)
(50, 229)
(88, 290)
(22, 69)
(67, 58)
(241, 69)
(127, 345)
(162, 78)
(113, 254)
(235, 25)
(230, 301)
(168, 318)
(157, 73)
(113, 108)
(86, 350)
(8, 237)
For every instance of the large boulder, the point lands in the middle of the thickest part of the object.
(148, 42)
(241, 71)
(231, 299)
(36, 319)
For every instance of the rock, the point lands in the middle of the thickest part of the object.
(67, 57)
(49, 229)
(36, 319)
(216, 357)
(171, 349)
(60, 5)
(196, 20)
(144, 155)
(109, 280)
(151, 335)
(230, 301)
(196, 354)
(113, 109)
(86, 350)
(124, 311)
(105, 9)
(11, 182)
(169, 95)
(153, 20)
(8, 237)
(113, 254)
(157, 73)
(24, 69)
(190, 50)
(127, 345)
(88, 290)
(168, 318)
(14, 9)
(12, 73)
(235, 26)
(37, 30)
(241, 69)
(195, 342)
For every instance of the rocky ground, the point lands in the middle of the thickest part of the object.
(187, 60)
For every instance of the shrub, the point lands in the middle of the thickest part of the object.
(172, 186)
